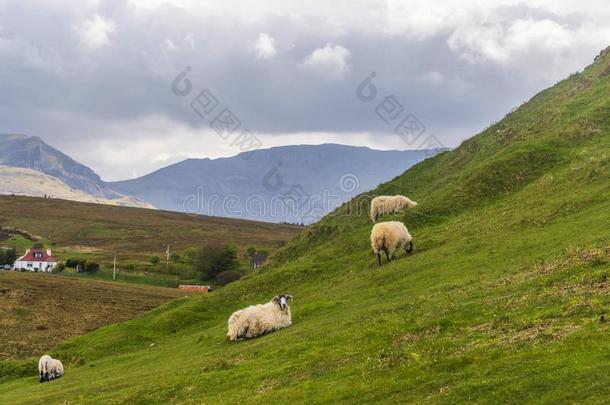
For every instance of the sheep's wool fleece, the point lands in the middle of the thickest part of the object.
(389, 236)
(386, 204)
(256, 320)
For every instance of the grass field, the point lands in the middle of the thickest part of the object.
(505, 300)
(37, 311)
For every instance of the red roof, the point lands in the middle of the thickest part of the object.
(37, 255)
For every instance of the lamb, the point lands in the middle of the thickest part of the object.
(43, 369)
(388, 237)
(257, 320)
(49, 368)
(388, 204)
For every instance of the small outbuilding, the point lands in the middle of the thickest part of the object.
(195, 288)
(258, 260)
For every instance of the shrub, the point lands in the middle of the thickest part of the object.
(154, 260)
(72, 263)
(214, 260)
(59, 268)
(227, 277)
(91, 267)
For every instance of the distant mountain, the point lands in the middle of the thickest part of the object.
(31, 183)
(78, 181)
(290, 183)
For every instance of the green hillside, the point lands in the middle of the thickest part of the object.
(505, 300)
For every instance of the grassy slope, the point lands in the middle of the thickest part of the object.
(134, 232)
(504, 300)
(37, 311)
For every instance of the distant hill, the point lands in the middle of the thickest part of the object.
(80, 182)
(290, 183)
(31, 152)
(134, 233)
(28, 182)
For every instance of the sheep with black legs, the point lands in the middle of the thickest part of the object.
(43, 368)
(56, 368)
(389, 236)
(389, 204)
(49, 368)
(257, 320)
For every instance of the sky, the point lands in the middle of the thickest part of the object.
(127, 87)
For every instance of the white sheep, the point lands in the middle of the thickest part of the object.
(389, 204)
(256, 320)
(388, 237)
(56, 368)
(49, 368)
(43, 367)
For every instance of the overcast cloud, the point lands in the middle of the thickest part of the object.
(93, 78)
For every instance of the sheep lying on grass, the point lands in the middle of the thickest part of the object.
(389, 204)
(256, 320)
(389, 236)
(49, 368)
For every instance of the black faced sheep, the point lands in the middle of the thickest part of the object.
(49, 368)
(256, 320)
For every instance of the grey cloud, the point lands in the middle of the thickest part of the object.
(49, 77)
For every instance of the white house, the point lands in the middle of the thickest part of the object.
(36, 259)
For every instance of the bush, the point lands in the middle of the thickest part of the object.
(91, 267)
(251, 251)
(59, 268)
(227, 277)
(72, 263)
(212, 261)
(154, 260)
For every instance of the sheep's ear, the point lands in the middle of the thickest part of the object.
(289, 297)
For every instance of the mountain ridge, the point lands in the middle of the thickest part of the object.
(312, 172)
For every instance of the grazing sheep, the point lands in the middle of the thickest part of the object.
(256, 320)
(389, 236)
(43, 367)
(56, 369)
(389, 204)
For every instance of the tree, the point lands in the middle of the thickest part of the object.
(191, 255)
(227, 277)
(175, 258)
(11, 254)
(155, 260)
(7, 256)
(72, 263)
(213, 260)
(251, 251)
(91, 267)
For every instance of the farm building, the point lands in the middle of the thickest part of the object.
(258, 260)
(195, 288)
(36, 260)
